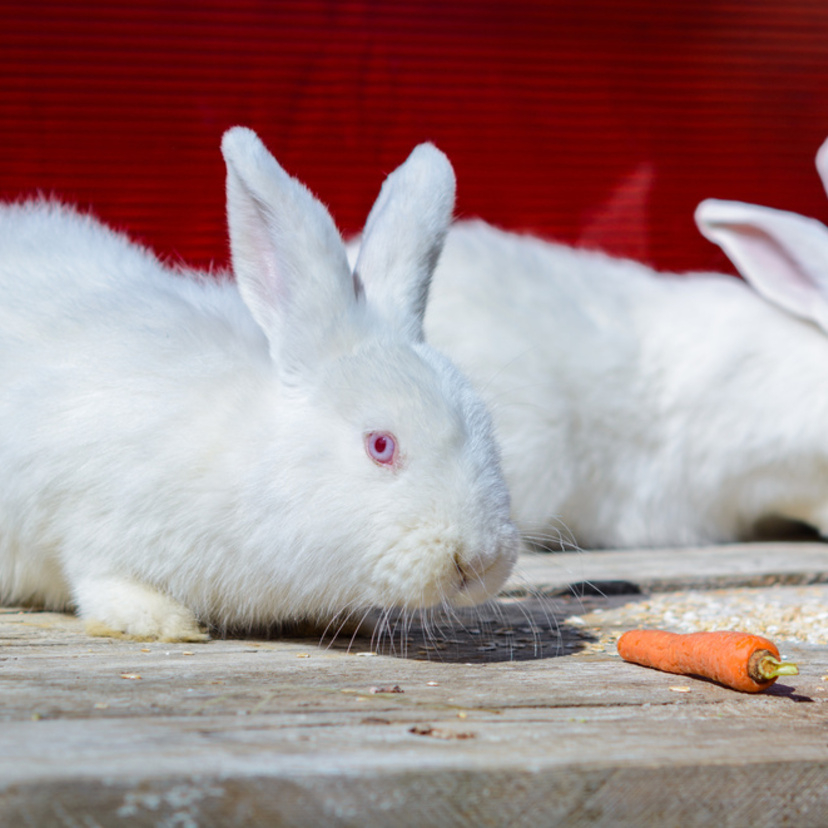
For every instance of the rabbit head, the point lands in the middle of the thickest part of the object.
(384, 467)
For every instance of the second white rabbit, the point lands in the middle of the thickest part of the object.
(637, 408)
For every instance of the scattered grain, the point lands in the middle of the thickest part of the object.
(783, 613)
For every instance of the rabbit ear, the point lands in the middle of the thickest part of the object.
(404, 236)
(822, 164)
(288, 257)
(784, 256)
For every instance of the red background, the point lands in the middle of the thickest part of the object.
(594, 121)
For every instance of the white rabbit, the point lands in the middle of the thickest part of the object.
(176, 450)
(635, 408)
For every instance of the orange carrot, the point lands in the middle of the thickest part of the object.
(739, 660)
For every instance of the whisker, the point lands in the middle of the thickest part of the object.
(331, 622)
(356, 631)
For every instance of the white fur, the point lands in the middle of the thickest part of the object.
(637, 408)
(177, 451)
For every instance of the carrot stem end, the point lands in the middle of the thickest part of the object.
(764, 667)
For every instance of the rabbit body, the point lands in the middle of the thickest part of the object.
(634, 408)
(178, 450)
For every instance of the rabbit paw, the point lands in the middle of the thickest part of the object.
(118, 608)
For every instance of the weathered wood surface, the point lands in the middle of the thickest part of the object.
(736, 565)
(518, 714)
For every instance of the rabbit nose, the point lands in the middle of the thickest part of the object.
(463, 573)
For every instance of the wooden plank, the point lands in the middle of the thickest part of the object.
(372, 774)
(516, 715)
(646, 570)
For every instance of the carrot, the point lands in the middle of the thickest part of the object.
(739, 660)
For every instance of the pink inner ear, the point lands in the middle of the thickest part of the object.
(770, 267)
(381, 447)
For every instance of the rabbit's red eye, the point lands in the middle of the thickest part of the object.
(381, 447)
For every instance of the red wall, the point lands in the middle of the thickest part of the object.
(589, 120)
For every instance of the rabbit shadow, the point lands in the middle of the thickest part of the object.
(507, 629)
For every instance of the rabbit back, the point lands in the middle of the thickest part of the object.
(104, 352)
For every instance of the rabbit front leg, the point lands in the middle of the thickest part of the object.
(121, 608)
